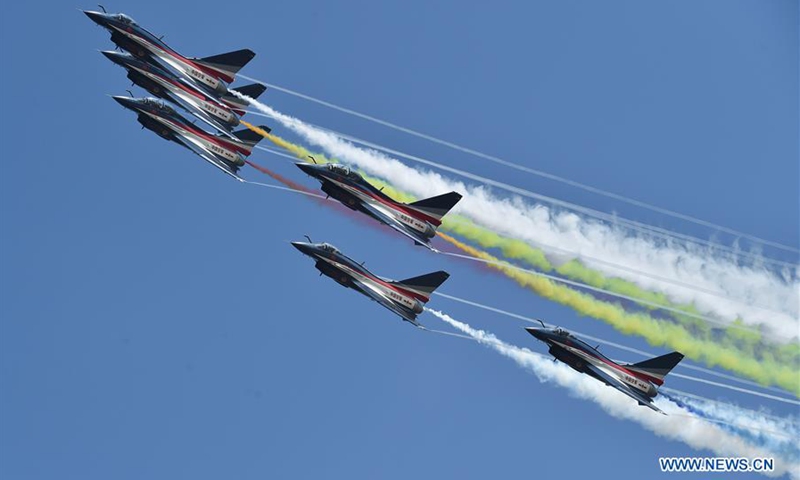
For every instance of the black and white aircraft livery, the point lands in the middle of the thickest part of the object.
(405, 298)
(418, 220)
(210, 73)
(200, 87)
(639, 381)
(222, 114)
(226, 153)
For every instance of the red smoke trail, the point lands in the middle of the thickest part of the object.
(334, 205)
(278, 177)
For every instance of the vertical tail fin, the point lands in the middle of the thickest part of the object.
(657, 368)
(239, 105)
(250, 137)
(254, 90)
(436, 207)
(227, 64)
(423, 285)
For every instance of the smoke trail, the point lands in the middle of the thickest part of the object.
(730, 356)
(281, 178)
(692, 430)
(535, 257)
(332, 140)
(541, 262)
(285, 189)
(526, 169)
(656, 333)
(778, 435)
(573, 269)
(540, 225)
(712, 410)
(726, 414)
(518, 250)
(640, 353)
(490, 259)
(758, 425)
(736, 336)
(309, 193)
(733, 251)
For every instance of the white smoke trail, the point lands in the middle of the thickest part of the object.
(691, 429)
(538, 224)
(777, 434)
(592, 338)
(588, 287)
(658, 232)
(626, 348)
(785, 427)
(533, 171)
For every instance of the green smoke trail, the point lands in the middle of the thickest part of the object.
(736, 349)
(658, 333)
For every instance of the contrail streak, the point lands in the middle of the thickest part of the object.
(657, 332)
(598, 290)
(540, 173)
(610, 218)
(652, 230)
(694, 430)
(636, 351)
(706, 349)
(710, 401)
(497, 213)
(286, 189)
(699, 241)
(311, 194)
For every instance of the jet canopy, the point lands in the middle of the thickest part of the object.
(158, 104)
(562, 332)
(121, 17)
(343, 170)
(328, 248)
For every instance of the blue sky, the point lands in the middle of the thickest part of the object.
(156, 323)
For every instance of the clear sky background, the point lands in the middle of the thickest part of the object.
(155, 323)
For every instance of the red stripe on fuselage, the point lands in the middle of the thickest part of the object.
(219, 141)
(208, 70)
(399, 206)
(394, 287)
(619, 367)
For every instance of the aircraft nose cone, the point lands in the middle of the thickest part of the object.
(124, 101)
(96, 17)
(304, 247)
(113, 56)
(309, 169)
(536, 332)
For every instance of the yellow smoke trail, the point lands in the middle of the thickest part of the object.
(730, 355)
(297, 150)
(655, 332)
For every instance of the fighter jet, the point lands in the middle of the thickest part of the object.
(406, 298)
(640, 381)
(166, 85)
(417, 220)
(223, 152)
(211, 73)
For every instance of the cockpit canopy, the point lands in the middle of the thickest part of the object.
(158, 104)
(343, 170)
(328, 247)
(121, 17)
(562, 332)
(340, 169)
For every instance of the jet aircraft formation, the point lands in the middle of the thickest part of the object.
(200, 87)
